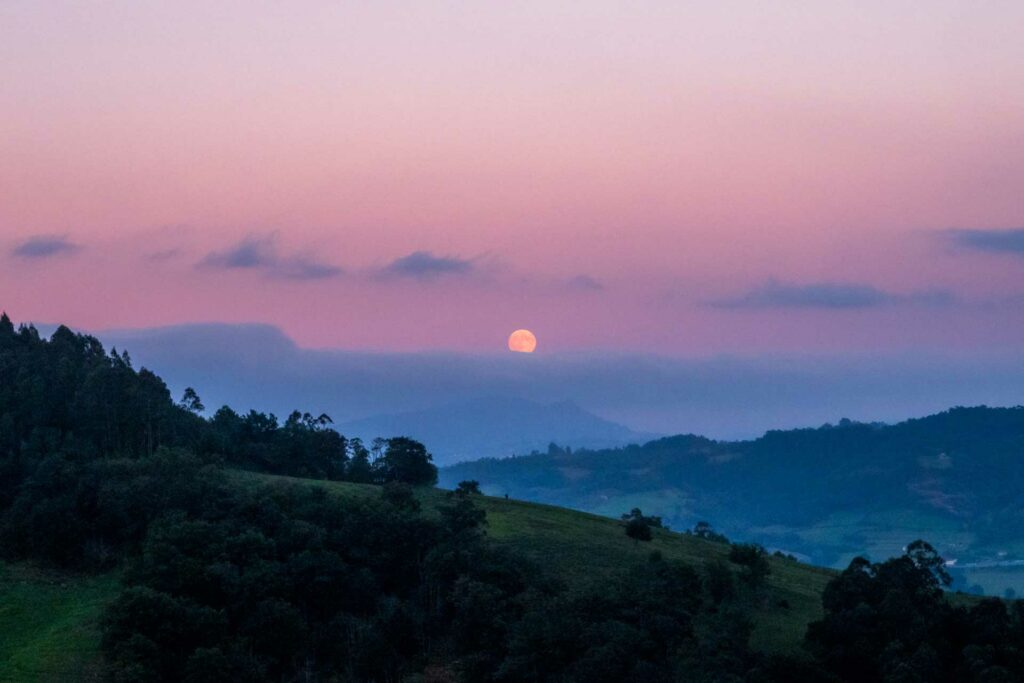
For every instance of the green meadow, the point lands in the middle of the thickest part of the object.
(49, 624)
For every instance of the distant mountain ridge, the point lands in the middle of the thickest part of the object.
(497, 426)
(259, 366)
(955, 478)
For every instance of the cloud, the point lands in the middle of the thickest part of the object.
(424, 265)
(262, 254)
(305, 267)
(584, 283)
(251, 252)
(827, 295)
(45, 246)
(997, 241)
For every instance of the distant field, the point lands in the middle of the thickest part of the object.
(49, 624)
(879, 534)
(583, 546)
(994, 580)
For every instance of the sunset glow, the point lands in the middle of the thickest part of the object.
(682, 179)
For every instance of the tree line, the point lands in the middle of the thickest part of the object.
(67, 395)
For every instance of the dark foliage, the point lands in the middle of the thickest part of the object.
(638, 527)
(754, 561)
(468, 488)
(707, 532)
(650, 520)
(67, 396)
(891, 621)
(640, 627)
(406, 460)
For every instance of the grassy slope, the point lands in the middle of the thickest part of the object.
(583, 546)
(49, 624)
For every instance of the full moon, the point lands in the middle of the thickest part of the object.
(522, 341)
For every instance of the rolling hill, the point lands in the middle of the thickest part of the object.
(825, 494)
(49, 622)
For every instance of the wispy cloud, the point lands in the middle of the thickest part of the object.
(1009, 241)
(424, 265)
(45, 246)
(827, 295)
(305, 267)
(261, 253)
(251, 252)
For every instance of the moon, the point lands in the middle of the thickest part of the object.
(522, 341)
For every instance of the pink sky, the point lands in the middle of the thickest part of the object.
(736, 176)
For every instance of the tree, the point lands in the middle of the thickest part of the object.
(638, 526)
(401, 495)
(707, 532)
(6, 327)
(638, 529)
(407, 460)
(359, 469)
(191, 402)
(468, 488)
(754, 561)
(462, 516)
(891, 621)
(928, 560)
(638, 521)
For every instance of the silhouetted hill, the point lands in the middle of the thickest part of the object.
(497, 426)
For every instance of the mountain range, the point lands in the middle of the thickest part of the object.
(496, 426)
(824, 494)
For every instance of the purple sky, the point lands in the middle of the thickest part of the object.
(732, 177)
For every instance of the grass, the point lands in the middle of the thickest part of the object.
(49, 628)
(583, 547)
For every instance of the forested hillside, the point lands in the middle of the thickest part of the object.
(233, 565)
(826, 494)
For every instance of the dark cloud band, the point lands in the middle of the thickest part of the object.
(262, 254)
(45, 246)
(424, 265)
(999, 241)
(826, 295)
